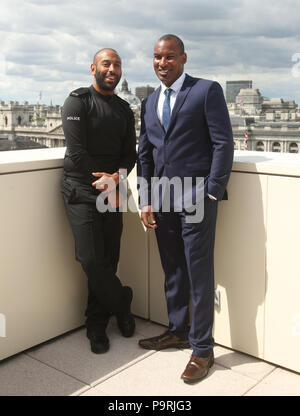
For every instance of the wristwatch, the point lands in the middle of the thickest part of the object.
(121, 176)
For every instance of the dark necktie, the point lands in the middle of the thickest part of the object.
(166, 113)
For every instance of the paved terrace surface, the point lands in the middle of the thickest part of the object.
(65, 366)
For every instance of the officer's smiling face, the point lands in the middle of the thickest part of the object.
(107, 71)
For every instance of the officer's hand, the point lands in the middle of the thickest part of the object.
(147, 212)
(107, 181)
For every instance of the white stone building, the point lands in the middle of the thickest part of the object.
(36, 123)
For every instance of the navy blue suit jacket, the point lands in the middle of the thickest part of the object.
(198, 142)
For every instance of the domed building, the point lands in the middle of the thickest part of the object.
(127, 95)
(133, 101)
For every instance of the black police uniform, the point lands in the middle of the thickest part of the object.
(100, 137)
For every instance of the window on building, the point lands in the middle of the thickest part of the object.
(5, 120)
(260, 147)
(276, 147)
(293, 148)
(19, 120)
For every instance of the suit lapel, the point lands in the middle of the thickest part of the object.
(185, 89)
(153, 106)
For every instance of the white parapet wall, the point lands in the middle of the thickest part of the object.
(257, 270)
(257, 261)
(257, 273)
(43, 290)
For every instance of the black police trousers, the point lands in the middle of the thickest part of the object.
(97, 247)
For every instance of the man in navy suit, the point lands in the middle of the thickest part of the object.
(185, 133)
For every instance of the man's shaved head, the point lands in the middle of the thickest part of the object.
(107, 70)
(175, 38)
(102, 50)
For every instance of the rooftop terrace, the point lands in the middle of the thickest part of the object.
(66, 366)
(43, 347)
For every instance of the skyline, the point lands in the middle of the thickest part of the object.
(48, 46)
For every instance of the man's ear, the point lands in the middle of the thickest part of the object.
(93, 69)
(184, 57)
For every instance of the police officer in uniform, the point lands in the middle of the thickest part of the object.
(101, 145)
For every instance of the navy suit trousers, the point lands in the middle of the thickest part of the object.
(187, 256)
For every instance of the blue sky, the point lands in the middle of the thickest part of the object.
(48, 45)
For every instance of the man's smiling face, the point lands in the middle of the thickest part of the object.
(107, 70)
(168, 61)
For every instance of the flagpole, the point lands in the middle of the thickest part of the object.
(246, 135)
(245, 124)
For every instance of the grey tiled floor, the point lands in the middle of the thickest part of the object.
(66, 366)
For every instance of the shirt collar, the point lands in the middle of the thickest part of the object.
(176, 86)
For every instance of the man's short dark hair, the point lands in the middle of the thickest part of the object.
(177, 39)
(100, 50)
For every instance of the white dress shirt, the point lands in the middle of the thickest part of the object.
(175, 87)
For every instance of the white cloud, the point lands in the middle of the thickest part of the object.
(48, 45)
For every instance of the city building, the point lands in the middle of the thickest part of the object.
(258, 123)
(143, 92)
(25, 126)
(264, 124)
(234, 87)
(127, 95)
(30, 125)
(133, 101)
(249, 100)
(268, 136)
(276, 109)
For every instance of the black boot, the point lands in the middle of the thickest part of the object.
(99, 341)
(125, 320)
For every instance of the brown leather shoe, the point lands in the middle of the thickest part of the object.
(163, 341)
(197, 368)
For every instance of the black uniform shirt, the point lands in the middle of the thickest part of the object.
(100, 134)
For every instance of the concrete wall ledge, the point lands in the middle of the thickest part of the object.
(43, 289)
(285, 164)
(30, 160)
